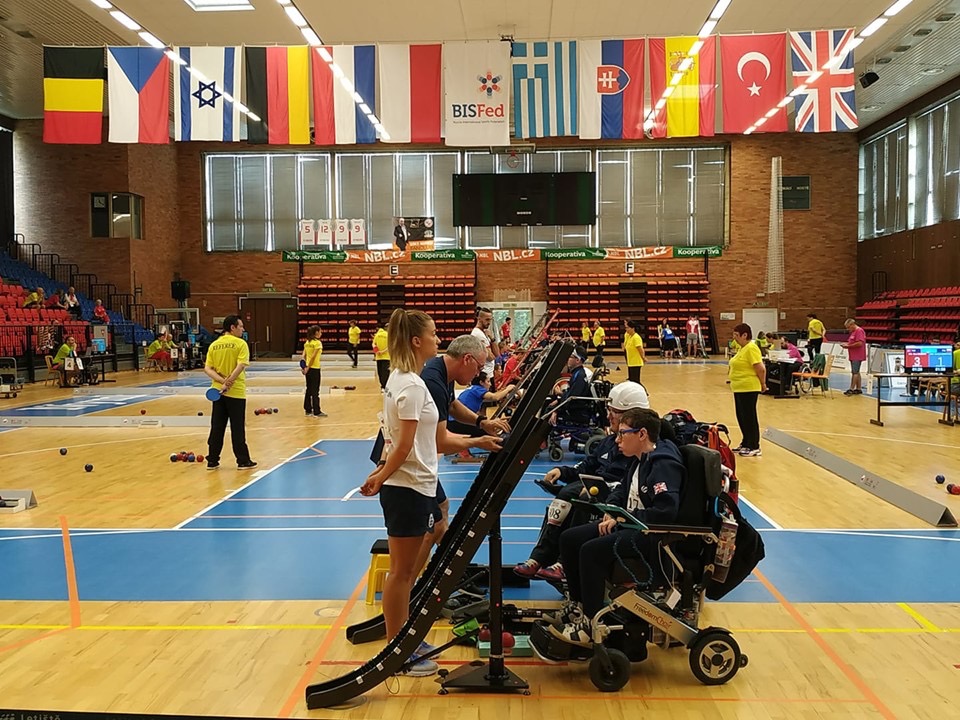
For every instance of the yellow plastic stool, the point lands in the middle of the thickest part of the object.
(379, 567)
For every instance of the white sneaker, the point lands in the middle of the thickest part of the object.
(574, 633)
(570, 612)
(424, 668)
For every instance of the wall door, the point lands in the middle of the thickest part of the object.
(761, 319)
(271, 324)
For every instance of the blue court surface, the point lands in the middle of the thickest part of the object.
(78, 405)
(302, 532)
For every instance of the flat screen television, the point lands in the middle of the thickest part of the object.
(928, 358)
(507, 199)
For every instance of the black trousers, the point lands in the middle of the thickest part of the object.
(353, 352)
(746, 406)
(547, 550)
(588, 560)
(633, 373)
(813, 348)
(383, 372)
(232, 410)
(311, 397)
(598, 357)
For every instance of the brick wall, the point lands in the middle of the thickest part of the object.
(820, 244)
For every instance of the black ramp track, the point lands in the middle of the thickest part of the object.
(485, 500)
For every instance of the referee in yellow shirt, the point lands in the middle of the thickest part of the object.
(227, 360)
(353, 337)
(815, 333)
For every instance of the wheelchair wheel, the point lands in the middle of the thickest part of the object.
(614, 676)
(592, 443)
(715, 657)
(804, 383)
(556, 453)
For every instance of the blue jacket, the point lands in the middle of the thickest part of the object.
(661, 477)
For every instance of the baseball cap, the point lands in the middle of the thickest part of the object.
(580, 352)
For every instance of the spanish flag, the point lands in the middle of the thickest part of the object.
(690, 110)
(278, 91)
(73, 95)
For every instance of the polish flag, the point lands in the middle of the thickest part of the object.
(410, 98)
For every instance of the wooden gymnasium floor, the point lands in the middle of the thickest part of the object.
(152, 587)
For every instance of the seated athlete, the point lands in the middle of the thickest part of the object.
(606, 461)
(650, 492)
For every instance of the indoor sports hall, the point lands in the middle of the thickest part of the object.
(565, 182)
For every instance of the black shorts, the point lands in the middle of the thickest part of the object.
(407, 513)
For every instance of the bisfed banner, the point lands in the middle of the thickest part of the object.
(695, 252)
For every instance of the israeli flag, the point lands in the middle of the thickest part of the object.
(545, 88)
(206, 92)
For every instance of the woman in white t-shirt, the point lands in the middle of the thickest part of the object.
(406, 477)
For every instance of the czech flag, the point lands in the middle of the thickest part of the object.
(410, 100)
(73, 95)
(138, 84)
(341, 85)
(278, 91)
(611, 89)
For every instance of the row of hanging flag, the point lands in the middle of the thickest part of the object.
(461, 93)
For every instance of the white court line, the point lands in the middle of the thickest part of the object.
(761, 513)
(97, 444)
(259, 477)
(862, 534)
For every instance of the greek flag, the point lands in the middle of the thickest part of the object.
(544, 89)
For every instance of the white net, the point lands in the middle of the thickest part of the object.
(775, 272)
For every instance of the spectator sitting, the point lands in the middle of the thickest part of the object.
(159, 350)
(763, 343)
(72, 303)
(578, 386)
(68, 349)
(100, 316)
(54, 303)
(479, 392)
(34, 300)
(781, 343)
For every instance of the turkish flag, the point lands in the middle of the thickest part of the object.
(754, 77)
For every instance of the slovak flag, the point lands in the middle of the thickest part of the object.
(411, 109)
(341, 85)
(138, 84)
(611, 89)
(205, 94)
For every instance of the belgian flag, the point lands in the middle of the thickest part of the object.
(73, 95)
(278, 91)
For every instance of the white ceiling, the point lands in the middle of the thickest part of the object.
(79, 22)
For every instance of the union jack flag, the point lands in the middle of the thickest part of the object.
(659, 488)
(828, 103)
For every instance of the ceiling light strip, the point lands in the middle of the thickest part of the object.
(313, 39)
(152, 40)
(837, 60)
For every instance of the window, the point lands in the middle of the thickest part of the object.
(254, 201)
(936, 193)
(116, 215)
(883, 184)
(666, 196)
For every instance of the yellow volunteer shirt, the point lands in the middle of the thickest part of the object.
(743, 378)
(353, 335)
(633, 345)
(815, 329)
(155, 347)
(31, 298)
(223, 355)
(598, 336)
(380, 344)
(63, 352)
(585, 333)
(313, 349)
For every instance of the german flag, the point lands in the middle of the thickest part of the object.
(73, 95)
(278, 91)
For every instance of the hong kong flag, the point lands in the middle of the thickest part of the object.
(754, 81)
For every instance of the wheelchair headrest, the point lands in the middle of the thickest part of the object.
(703, 483)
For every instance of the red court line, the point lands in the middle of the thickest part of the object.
(296, 696)
(851, 674)
(72, 593)
(659, 698)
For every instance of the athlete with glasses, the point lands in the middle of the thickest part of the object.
(650, 492)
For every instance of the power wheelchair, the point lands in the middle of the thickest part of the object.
(581, 420)
(659, 602)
